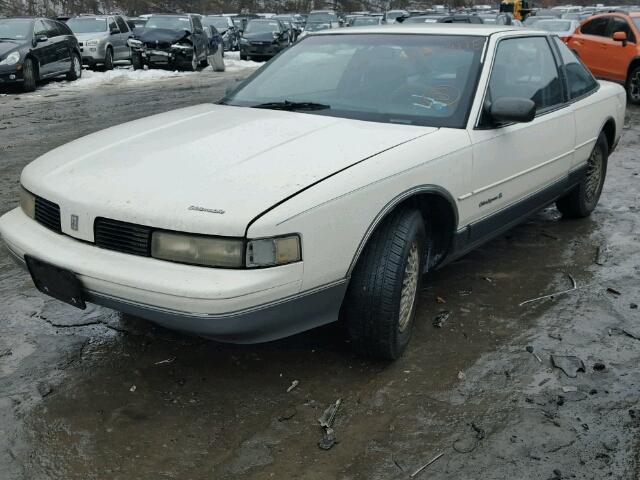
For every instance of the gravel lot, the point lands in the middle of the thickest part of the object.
(92, 395)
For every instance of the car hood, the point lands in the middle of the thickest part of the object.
(83, 37)
(160, 35)
(259, 37)
(7, 46)
(180, 170)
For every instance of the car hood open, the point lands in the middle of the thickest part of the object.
(181, 169)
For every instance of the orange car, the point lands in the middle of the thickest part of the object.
(608, 45)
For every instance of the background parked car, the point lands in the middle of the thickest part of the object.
(294, 24)
(263, 38)
(32, 49)
(456, 18)
(173, 41)
(561, 27)
(225, 26)
(102, 39)
(606, 43)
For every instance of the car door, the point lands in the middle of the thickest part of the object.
(590, 44)
(199, 37)
(61, 52)
(618, 54)
(45, 50)
(121, 49)
(517, 164)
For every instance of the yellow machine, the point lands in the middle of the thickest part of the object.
(518, 8)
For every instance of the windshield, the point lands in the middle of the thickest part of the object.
(554, 25)
(15, 29)
(322, 17)
(170, 23)
(359, 21)
(409, 79)
(87, 25)
(219, 22)
(262, 26)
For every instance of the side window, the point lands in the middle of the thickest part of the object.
(112, 24)
(525, 68)
(64, 29)
(618, 24)
(597, 26)
(52, 29)
(122, 25)
(40, 29)
(579, 79)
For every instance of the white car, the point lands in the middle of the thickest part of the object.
(324, 186)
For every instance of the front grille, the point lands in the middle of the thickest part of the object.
(48, 214)
(122, 236)
(158, 46)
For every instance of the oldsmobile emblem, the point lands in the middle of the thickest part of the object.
(208, 210)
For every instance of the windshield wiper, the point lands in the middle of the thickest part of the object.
(292, 106)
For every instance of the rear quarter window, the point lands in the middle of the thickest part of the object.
(579, 80)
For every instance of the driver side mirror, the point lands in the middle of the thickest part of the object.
(512, 109)
(41, 38)
(620, 37)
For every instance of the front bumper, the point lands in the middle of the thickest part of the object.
(262, 50)
(239, 306)
(10, 74)
(93, 55)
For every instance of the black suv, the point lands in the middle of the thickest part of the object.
(171, 41)
(32, 49)
(263, 38)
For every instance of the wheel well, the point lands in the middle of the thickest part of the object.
(440, 217)
(36, 65)
(634, 63)
(609, 130)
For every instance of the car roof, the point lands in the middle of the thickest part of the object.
(430, 28)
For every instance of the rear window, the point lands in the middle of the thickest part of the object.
(87, 25)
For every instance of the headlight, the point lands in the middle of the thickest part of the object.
(92, 43)
(268, 252)
(28, 202)
(132, 42)
(197, 249)
(11, 59)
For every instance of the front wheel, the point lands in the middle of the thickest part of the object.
(30, 76)
(582, 200)
(75, 71)
(243, 56)
(633, 86)
(380, 303)
(192, 66)
(108, 60)
(136, 61)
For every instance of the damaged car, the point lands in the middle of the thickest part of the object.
(170, 41)
(327, 186)
(228, 31)
(263, 38)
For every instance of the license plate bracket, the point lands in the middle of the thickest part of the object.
(56, 282)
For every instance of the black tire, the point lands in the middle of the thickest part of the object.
(583, 198)
(374, 300)
(108, 59)
(244, 57)
(192, 65)
(75, 70)
(136, 61)
(30, 75)
(633, 85)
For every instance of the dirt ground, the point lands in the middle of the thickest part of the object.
(89, 395)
